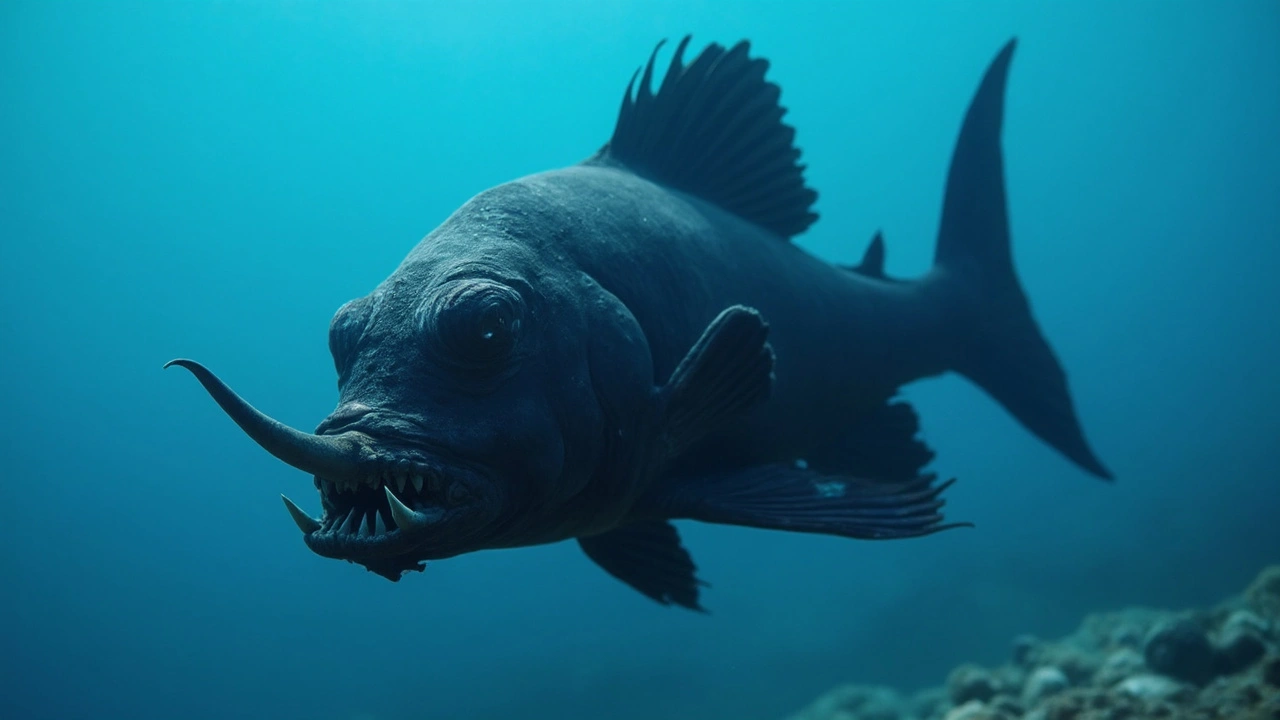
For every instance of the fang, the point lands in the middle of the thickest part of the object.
(305, 522)
(405, 518)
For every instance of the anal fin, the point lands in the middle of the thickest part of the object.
(880, 445)
(648, 556)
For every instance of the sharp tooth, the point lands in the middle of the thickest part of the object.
(405, 518)
(353, 522)
(326, 487)
(379, 527)
(400, 482)
(417, 483)
(306, 523)
(370, 524)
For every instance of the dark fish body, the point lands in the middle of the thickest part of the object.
(843, 341)
(595, 351)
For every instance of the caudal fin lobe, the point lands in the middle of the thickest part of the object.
(1005, 354)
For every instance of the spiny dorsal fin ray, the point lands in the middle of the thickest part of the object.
(714, 130)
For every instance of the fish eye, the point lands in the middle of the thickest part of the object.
(475, 324)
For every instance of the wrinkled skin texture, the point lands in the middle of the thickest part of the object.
(532, 420)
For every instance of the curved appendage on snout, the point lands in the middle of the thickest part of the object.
(378, 503)
(334, 457)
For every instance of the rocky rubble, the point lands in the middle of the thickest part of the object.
(1129, 665)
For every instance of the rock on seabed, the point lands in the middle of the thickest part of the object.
(1135, 664)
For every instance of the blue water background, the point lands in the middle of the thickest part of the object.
(212, 180)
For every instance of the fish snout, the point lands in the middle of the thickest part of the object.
(383, 491)
(343, 416)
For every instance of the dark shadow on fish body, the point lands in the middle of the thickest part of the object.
(595, 351)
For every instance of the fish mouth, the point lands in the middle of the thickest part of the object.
(389, 510)
(382, 506)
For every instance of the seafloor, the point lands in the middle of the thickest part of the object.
(1133, 664)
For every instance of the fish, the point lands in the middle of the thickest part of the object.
(597, 351)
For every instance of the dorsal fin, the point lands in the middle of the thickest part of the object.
(872, 264)
(714, 129)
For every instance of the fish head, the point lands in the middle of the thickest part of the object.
(478, 398)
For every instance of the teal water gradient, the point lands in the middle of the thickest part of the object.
(212, 180)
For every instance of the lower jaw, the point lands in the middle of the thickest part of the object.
(395, 545)
(346, 547)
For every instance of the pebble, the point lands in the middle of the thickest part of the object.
(1264, 594)
(972, 710)
(970, 682)
(1127, 635)
(1119, 665)
(1182, 651)
(1238, 647)
(1150, 687)
(1043, 682)
(1271, 671)
(1024, 648)
(1005, 705)
(1245, 620)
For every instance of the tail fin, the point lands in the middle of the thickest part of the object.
(1005, 354)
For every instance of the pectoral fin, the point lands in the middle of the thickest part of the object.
(648, 556)
(726, 374)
